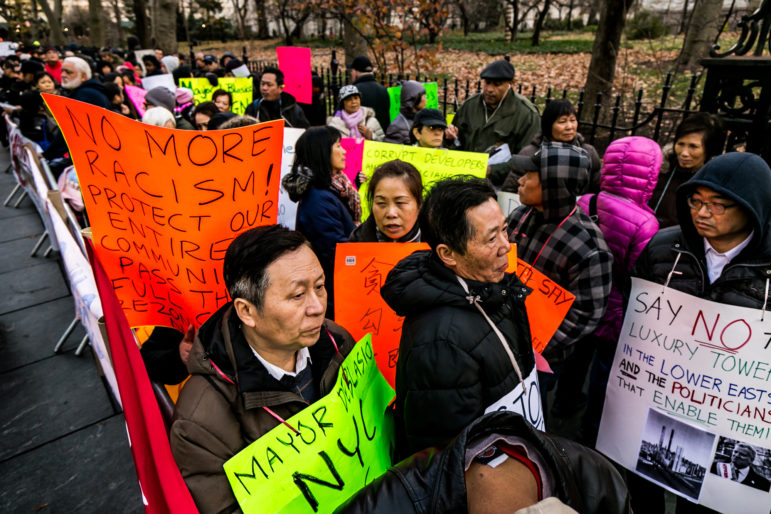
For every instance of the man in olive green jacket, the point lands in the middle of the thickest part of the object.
(493, 117)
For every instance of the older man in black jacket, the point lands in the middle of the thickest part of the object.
(465, 347)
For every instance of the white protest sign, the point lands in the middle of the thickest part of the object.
(689, 397)
(287, 209)
(7, 48)
(166, 80)
(524, 399)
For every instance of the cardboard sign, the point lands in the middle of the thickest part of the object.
(295, 63)
(334, 447)
(287, 209)
(354, 151)
(547, 305)
(395, 95)
(687, 392)
(433, 164)
(360, 271)
(239, 87)
(137, 97)
(164, 205)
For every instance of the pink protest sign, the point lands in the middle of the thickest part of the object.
(137, 97)
(354, 152)
(295, 63)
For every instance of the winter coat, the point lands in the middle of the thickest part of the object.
(452, 365)
(220, 409)
(285, 108)
(434, 482)
(369, 121)
(628, 177)
(375, 96)
(91, 92)
(510, 184)
(564, 244)
(399, 130)
(745, 179)
(515, 122)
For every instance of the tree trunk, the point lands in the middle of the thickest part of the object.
(166, 23)
(96, 34)
(602, 67)
(118, 26)
(594, 6)
(57, 36)
(514, 20)
(704, 26)
(354, 43)
(141, 23)
(539, 23)
(570, 15)
(262, 19)
(683, 18)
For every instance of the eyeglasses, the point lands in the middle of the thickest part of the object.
(712, 207)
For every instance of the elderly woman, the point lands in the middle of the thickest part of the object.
(558, 123)
(394, 194)
(160, 117)
(353, 119)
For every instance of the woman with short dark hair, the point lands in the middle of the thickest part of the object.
(394, 195)
(222, 99)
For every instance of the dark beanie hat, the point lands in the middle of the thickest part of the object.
(161, 96)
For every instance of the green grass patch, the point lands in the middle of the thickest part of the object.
(496, 43)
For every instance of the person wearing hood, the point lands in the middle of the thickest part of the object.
(499, 463)
(556, 237)
(353, 119)
(720, 250)
(465, 347)
(275, 104)
(169, 64)
(413, 99)
(559, 122)
(257, 361)
(629, 173)
(494, 117)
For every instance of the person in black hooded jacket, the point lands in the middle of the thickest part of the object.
(465, 347)
(567, 475)
(724, 257)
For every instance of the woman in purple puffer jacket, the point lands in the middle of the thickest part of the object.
(629, 172)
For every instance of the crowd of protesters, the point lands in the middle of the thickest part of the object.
(687, 217)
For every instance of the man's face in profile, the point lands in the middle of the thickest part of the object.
(485, 259)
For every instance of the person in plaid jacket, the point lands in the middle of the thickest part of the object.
(561, 241)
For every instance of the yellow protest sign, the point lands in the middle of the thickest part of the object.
(239, 87)
(433, 164)
(335, 446)
(164, 205)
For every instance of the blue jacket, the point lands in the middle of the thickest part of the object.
(325, 221)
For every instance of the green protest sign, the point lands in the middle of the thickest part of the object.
(395, 96)
(239, 87)
(337, 446)
(433, 164)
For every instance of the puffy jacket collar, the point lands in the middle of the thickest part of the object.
(220, 349)
(746, 180)
(564, 175)
(92, 84)
(631, 168)
(421, 282)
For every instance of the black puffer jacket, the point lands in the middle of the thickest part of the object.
(452, 366)
(745, 179)
(434, 481)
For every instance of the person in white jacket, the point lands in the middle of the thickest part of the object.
(353, 119)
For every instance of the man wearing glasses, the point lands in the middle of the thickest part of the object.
(722, 248)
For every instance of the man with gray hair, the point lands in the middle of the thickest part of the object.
(77, 81)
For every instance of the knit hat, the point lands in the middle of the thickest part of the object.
(184, 95)
(161, 96)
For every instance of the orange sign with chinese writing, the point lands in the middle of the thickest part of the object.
(165, 204)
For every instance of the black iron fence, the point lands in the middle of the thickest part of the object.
(600, 121)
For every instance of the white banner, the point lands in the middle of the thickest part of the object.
(287, 209)
(88, 307)
(524, 399)
(688, 403)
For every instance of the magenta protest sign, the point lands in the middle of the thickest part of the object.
(137, 97)
(354, 152)
(295, 63)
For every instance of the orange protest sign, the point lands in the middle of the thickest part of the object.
(360, 271)
(546, 306)
(165, 204)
